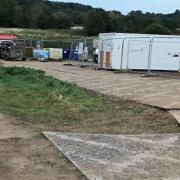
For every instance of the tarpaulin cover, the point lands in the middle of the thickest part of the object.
(38, 53)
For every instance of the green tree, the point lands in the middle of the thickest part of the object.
(8, 4)
(40, 16)
(95, 24)
(6, 12)
(18, 16)
(4, 17)
(156, 28)
(50, 14)
(62, 20)
(117, 22)
(106, 19)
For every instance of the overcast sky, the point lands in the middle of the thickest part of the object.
(125, 6)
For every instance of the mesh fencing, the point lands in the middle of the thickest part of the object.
(78, 49)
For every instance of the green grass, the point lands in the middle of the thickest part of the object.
(46, 34)
(32, 94)
(52, 34)
(49, 104)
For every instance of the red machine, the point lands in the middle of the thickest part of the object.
(8, 37)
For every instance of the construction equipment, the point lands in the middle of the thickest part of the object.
(5, 48)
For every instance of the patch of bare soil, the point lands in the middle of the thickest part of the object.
(26, 156)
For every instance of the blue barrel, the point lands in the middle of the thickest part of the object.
(76, 56)
(66, 53)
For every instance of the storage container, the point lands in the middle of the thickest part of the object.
(66, 53)
(39, 53)
(123, 51)
(55, 53)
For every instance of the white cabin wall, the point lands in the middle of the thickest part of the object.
(135, 53)
(163, 51)
(138, 54)
(116, 54)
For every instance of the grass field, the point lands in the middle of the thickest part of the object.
(49, 34)
(49, 104)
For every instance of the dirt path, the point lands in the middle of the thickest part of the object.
(24, 155)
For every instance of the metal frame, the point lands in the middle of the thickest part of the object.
(107, 40)
(128, 52)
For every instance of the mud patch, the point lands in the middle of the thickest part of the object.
(26, 156)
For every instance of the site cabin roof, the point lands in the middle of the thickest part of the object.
(8, 37)
(126, 35)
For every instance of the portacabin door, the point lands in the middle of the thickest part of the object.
(137, 54)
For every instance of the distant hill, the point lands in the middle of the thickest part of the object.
(77, 13)
(58, 15)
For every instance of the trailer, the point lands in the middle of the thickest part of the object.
(123, 51)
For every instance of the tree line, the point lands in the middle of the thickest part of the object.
(48, 14)
(135, 22)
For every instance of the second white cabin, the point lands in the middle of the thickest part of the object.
(121, 51)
